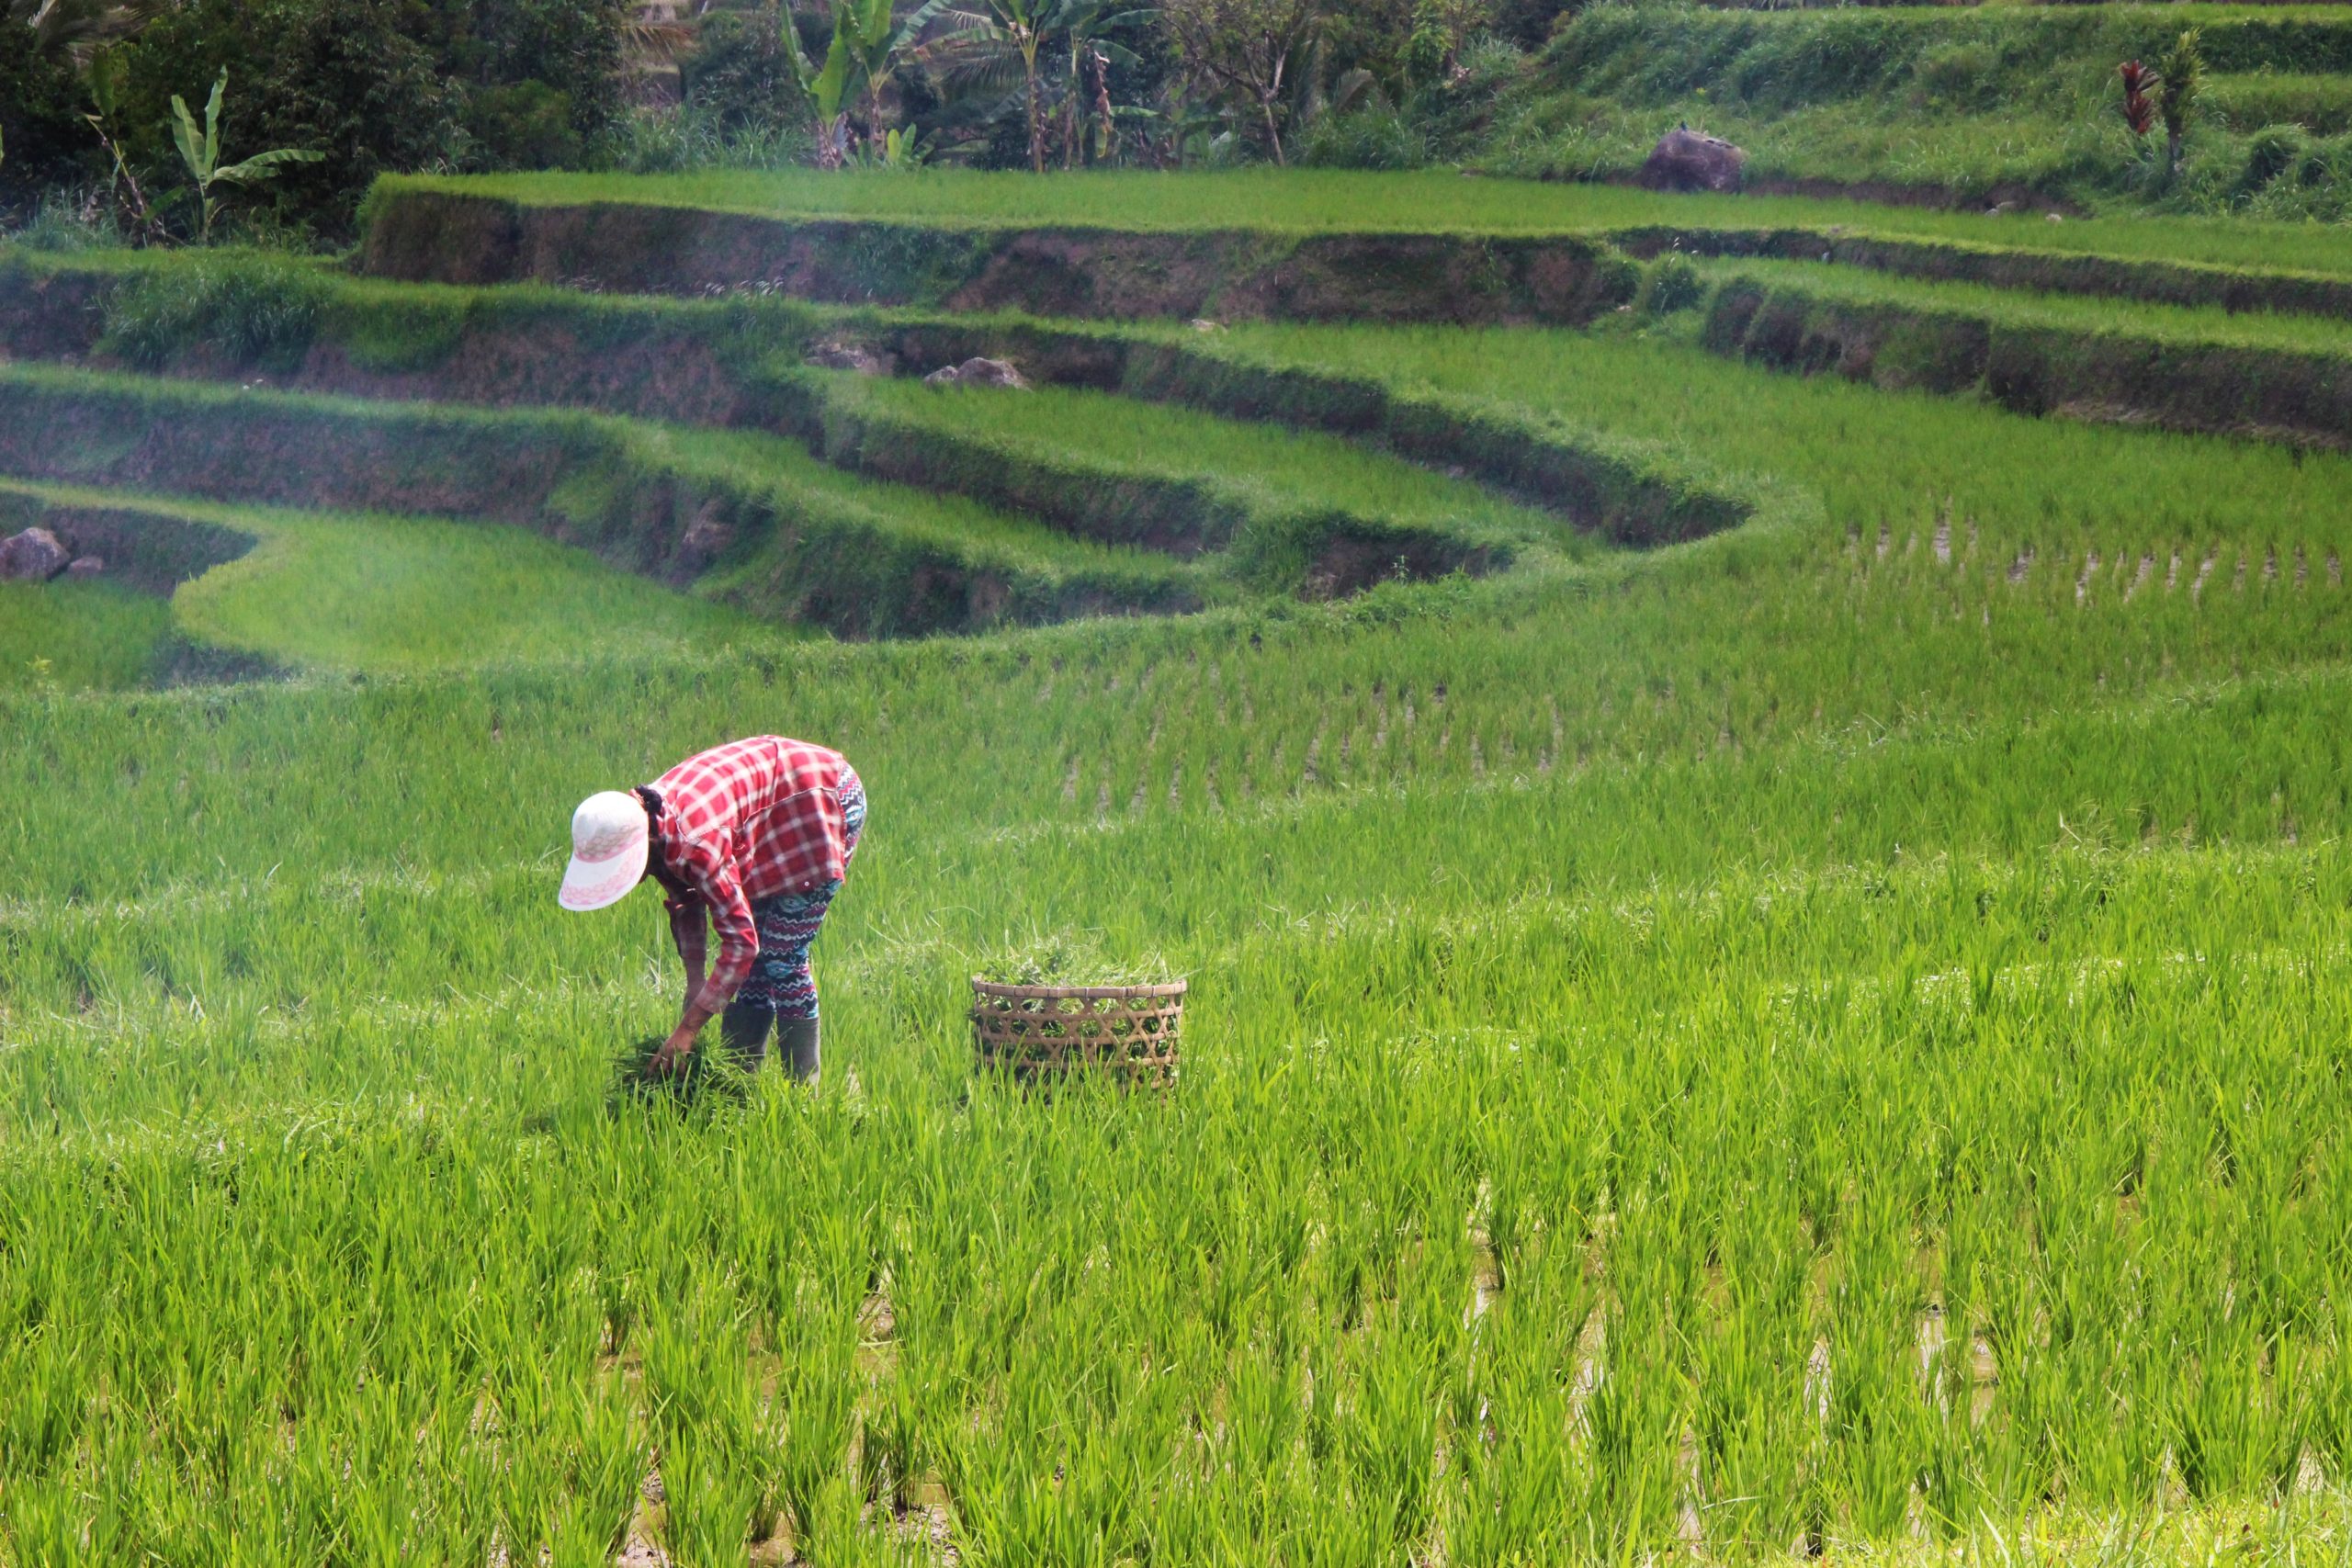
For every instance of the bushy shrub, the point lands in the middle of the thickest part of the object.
(1377, 138)
(669, 140)
(243, 312)
(1669, 284)
(739, 75)
(67, 218)
(2270, 152)
(569, 47)
(338, 77)
(41, 132)
(374, 86)
(527, 126)
(1448, 116)
(1529, 23)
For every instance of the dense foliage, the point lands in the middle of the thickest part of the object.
(382, 85)
(1992, 103)
(374, 86)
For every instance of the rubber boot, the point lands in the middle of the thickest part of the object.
(743, 1028)
(796, 1041)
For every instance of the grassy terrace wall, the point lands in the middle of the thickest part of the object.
(737, 362)
(149, 551)
(791, 545)
(1531, 254)
(421, 235)
(2058, 272)
(2128, 369)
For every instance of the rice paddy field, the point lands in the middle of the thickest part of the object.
(1813, 1025)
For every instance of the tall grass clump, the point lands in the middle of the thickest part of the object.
(247, 312)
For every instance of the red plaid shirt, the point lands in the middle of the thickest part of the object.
(740, 823)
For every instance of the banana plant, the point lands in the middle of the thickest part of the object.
(879, 44)
(869, 45)
(902, 149)
(825, 86)
(201, 154)
(996, 43)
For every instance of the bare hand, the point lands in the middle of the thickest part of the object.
(670, 1057)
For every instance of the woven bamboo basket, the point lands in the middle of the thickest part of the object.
(1047, 1032)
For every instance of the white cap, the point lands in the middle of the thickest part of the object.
(608, 849)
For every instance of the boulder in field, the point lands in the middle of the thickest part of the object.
(848, 356)
(87, 567)
(706, 539)
(33, 556)
(980, 373)
(1687, 160)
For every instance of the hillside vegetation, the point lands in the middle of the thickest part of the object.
(1953, 104)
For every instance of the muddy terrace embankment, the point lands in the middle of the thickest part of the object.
(737, 365)
(146, 549)
(786, 549)
(2263, 393)
(433, 236)
(2019, 267)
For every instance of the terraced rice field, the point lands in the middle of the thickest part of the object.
(1765, 949)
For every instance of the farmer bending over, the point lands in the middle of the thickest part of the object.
(759, 834)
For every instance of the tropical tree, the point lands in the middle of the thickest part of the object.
(869, 46)
(1090, 28)
(1244, 48)
(879, 44)
(78, 29)
(103, 79)
(2182, 79)
(826, 87)
(986, 46)
(201, 154)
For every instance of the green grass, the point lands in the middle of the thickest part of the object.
(2185, 325)
(1106, 455)
(78, 635)
(381, 594)
(1872, 457)
(2319, 104)
(394, 594)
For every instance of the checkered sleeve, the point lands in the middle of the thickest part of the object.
(739, 937)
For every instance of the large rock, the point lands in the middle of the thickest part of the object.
(849, 356)
(980, 373)
(1685, 160)
(33, 556)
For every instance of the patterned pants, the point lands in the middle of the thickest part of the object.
(788, 923)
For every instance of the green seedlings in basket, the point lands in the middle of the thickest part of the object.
(1069, 958)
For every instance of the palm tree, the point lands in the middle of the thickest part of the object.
(78, 29)
(988, 46)
(994, 44)
(879, 45)
(869, 45)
